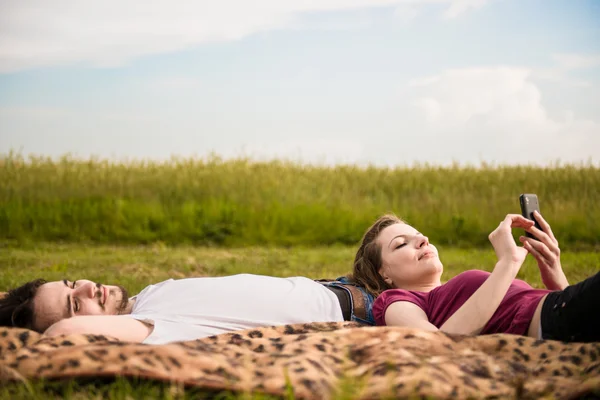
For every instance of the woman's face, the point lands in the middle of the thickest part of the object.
(408, 259)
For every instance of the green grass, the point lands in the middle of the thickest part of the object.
(116, 389)
(137, 266)
(245, 203)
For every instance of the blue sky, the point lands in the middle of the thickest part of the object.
(370, 82)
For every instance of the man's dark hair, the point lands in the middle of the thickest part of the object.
(16, 307)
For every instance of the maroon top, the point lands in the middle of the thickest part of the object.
(512, 316)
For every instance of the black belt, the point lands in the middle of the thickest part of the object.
(344, 299)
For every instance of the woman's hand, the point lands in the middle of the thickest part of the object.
(547, 254)
(504, 244)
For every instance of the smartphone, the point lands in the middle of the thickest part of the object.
(529, 204)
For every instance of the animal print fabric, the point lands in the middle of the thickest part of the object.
(321, 359)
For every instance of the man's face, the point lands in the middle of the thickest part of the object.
(64, 299)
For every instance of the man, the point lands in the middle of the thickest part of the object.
(184, 309)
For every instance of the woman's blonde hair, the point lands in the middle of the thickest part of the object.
(367, 261)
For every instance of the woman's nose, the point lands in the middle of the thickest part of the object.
(423, 241)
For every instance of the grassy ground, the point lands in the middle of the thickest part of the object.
(137, 266)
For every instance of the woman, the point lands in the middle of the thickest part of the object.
(398, 264)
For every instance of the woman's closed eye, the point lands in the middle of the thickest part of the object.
(399, 246)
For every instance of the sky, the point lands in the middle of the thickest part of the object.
(367, 82)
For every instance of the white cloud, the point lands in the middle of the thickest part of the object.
(503, 93)
(497, 114)
(559, 75)
(406, 12)
(577, 61)
(564, 67)
(458, 7)
(409, 9)
(491, 114)
(175, 83)
(110, 33)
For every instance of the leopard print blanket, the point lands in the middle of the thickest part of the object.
(320, 360)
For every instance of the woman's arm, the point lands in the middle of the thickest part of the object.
(121, 327)
(475, 313)
(405, 313)
(472, 316)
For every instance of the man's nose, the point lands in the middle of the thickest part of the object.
(86, 289)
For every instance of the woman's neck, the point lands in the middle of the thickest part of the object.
(421, 287)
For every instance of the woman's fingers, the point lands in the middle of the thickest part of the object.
(538, 249)
(512, 221)
(545, 225)
(542, 237)
(539, 234)
(536, 254)
(518, 221)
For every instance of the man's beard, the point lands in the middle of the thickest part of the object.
(124, 302)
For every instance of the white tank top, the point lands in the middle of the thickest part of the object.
(193, 308)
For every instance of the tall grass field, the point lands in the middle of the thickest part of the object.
(246, 203)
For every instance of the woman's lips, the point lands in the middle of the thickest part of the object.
(427, 254)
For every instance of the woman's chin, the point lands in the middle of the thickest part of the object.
(437, 267)
(434, 262)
